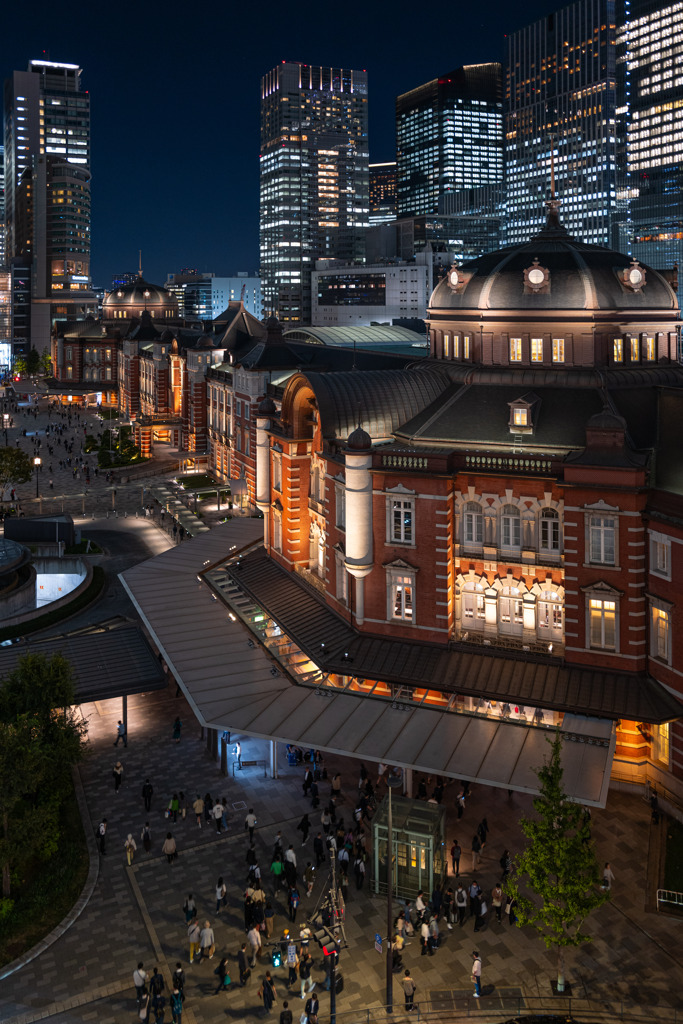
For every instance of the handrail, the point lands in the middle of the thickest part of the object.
(670, 896)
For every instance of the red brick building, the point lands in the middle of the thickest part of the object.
(495, 531)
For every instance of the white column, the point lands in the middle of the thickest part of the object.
(359, 555)
(265, 410)
(273, 759)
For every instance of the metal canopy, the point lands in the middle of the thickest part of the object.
(232, 683)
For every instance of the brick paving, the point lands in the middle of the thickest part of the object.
(136, 914)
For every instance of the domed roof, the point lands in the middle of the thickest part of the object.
(138, 296)
(206, 341)
(267, 407)
(359, 440)
(553, 271)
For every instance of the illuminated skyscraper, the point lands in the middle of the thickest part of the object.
(47, 190)
(449, 136)
(561, 94)
(650, 80)
(382, 193)
(314, 179)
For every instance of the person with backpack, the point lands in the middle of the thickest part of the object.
(177, 1005)
(146, 837)
(223, 977)
(294, 900)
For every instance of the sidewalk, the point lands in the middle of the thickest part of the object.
(137, 914)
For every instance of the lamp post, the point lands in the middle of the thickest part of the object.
(393, 782)
(5, 419)
(36, 463)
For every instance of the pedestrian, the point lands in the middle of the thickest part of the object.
(359, 871)
(319, 849)
(607, 877)
(179, 977)
(308, 780)
(505, 864)
(460, 804)
(140, 981)
(293, 902)
(409, 989)
(177, 726)
(250, 823)
(476, 973)
(267, 992)
(146, 837)
(223, 976)
(309, 878)
(460, 904)
(147, 793)
(102, 835)
(158, 1004)
(497, 900)
(304, 827)
(221, 894)
(217, 811)
(237, 751)
(476, 851)
(207, 940)
(130, 848)
(176, 1000)
(456, 851)
(118, 776)
(254, 940)
(194, 937)
(285, 1014)
(174, 807)
(121, 734)
(474, 892)
(156, 983)
(169, 848)
(510, 911)
(481, 912)
(189, 908)
(305, 965)
(276, 869)
(198, 808)
(424, 939)
(483, 831)
(243, 965)
(312, 1009)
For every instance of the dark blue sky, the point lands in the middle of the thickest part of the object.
(175, 103)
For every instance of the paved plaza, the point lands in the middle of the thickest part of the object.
(132, 914)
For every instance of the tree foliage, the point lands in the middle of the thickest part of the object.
(46, 361)
(555, 880)
(15, 467)
(40, 740)
(33, 361)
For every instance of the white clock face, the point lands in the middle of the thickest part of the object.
(536, 276)
(453, 278)
(635, 275)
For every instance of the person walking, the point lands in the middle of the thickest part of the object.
(250, 823)
(194, 937)
(147, 793)
(177, 726)
(476, 851)
(102, 836)
(178, 980)
(312, 1009)
(304, 827)
(217, 811)
(607, 877)
(476, 973)
(139, 980)
(174, 807)
(497, 900)
(156, 983)
(474, 893)
(505, 864)
(177, 1005)
(189, 908)
(130, 847)
(409, 989)
(223, 975)
(460, 904)
(169, 848)
(286, 1014)
(146, 837)
(207, 941)
(268, 992)
(121, 734)
(243, 965)
(118, 776)
(456, 851)
(293, 902)
(254, 940)
(319, 849)
(221, 894)
(305, 965)
(198, 808)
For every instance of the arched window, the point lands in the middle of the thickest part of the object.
(510, 527)
(473, 612)
(510, 616)
(549, 536)
(550, 616)
(473, 524)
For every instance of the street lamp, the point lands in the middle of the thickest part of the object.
(36, 463)
(393, 782)
(5, 417)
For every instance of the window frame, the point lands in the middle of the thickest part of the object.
(340, 505)
(660, 639)
(472, 606)
(510, 612)
(549, 516)
(617, 350)
(401, 581)
(515, 350)
(506, 520)
(407, 503)
(550, 631)
(599, 601)
(658, 543)
(558, 350)
(536, 350)
(595, 526)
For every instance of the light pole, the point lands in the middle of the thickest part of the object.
(393, 782)
(5, 419)
(36, 463)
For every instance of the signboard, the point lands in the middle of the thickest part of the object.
(378, 942)
(291, 954)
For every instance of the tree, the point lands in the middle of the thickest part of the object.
(15, 467)
(40, 740)
(555, 880)
(46, 361)
(32, 361)
(20, 365)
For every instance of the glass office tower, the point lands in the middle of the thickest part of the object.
(449, 136)
(561, 97)
(382, 193)
(314, 179)
(649, 44)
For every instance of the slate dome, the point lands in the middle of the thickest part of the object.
(131, 299)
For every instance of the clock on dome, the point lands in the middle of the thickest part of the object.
(536, 278)
(634, 276)
(454, 278)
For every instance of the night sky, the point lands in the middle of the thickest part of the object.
(175, 94)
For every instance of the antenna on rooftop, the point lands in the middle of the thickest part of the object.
(140, 262)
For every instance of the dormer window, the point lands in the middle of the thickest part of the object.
(536, 279)
(520, 417)
(522, 414)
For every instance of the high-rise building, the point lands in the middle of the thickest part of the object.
(561, 100)
(449, 136)
(650, 98)
(47, 190)
(383, 206)
(205, 296)
(3, 253)
(314, 179)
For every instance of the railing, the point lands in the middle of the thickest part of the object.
(508, 464)
(669, 897)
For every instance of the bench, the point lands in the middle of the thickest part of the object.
(248, 764)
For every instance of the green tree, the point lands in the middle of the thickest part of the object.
(32, 361)
(40, 740)
(20, 365)
(15, 467)
(555, 880)
(46, 362)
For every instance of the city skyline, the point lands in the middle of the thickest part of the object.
(211, 105)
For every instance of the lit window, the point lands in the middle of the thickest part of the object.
(69, 372)
(602, 539)
(550, 616)
(510, 613)
(635, 350)
(401, 596)
(660, 555)
(660, 632)
(515, 350)
(537, 350)
(618, 350)
(466, 346)
(473, 524)
(447, 346)
(558, 350)
(661, 742)
(520, 417)
(401, 521)
(650, 349)
(456, 346)
(473, 607)
(550, 531)
(603, 623)
(510, 527)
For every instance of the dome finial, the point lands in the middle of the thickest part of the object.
(140, 263)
